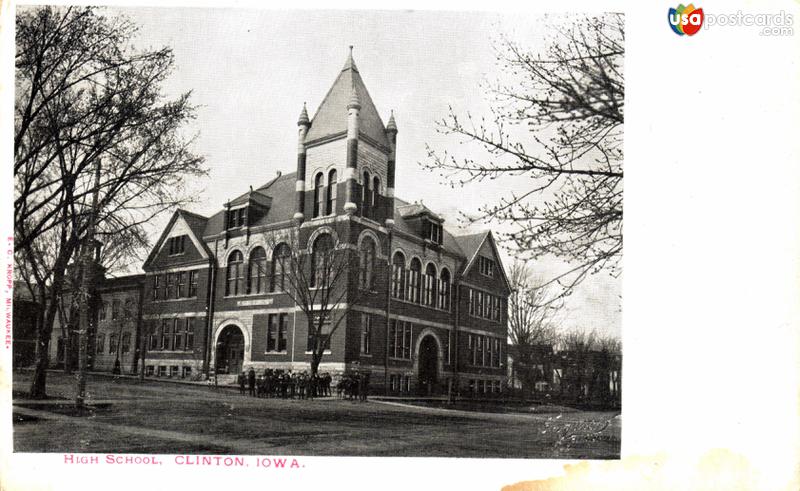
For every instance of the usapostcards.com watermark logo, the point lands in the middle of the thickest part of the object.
(687, 20)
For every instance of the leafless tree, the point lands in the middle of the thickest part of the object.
(83, 95)
(315, 274)
(533, 319)
(557, 121)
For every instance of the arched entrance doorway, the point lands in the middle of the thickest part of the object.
(428, 361)
(230, 350)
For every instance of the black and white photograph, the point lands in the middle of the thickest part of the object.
(229, 243)
(311, 246)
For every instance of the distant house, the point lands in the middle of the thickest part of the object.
(534, 371)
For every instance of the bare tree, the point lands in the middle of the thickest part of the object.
(557, 120)
(83, 94)
(533, 319)
(315, 274)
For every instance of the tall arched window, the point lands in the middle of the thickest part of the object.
(414, 280)
(321, 259)
(444, 289)
(398, 275)
(319, 195)
(376, 187)
(366, 196)
(257, 271)
(280, 265)
(429, 297)
(332, 189)
(366, 255)
(235, 275)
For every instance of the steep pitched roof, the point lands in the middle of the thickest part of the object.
(281, 192)
(472, 244)
(196, 223)
(331, 116)
(416, 209)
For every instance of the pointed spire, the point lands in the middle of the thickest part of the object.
(303, 120)
(391, 125)
(354, 103)
(350, 64)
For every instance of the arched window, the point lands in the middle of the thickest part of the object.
(235, 275)
(429, 298)
(280, 265)
(257, 271)
(332, 189)
(414, 280)
(366, 196)
(319, 195)
(321, 257)
(444, 290)
(366, 255)
(398, 275)
(376, 187)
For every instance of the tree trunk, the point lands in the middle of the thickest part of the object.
(38, 388)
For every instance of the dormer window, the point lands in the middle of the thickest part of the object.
(486, 266)
(177, 245)
(432, 231)
(237, 218)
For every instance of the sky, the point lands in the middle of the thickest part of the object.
(250, 71)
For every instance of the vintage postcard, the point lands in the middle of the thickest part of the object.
(338, 248)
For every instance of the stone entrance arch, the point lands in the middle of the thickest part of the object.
(428, 365)
(230, 350)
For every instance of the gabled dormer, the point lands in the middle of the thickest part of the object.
(246, 210)
(427, 224)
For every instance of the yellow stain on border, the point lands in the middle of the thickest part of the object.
(717, 470)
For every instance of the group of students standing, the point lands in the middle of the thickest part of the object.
(285, 384)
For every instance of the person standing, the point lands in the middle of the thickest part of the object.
(251, 381)
(242, 381)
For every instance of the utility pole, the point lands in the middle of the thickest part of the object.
(87, 287)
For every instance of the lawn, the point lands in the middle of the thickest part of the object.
(156, 417)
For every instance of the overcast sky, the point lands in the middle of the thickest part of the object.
(251, 70)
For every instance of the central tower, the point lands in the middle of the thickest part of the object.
(345, 154)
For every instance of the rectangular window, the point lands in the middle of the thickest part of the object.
(151, 370)
(189, 333)
(177, 245)
(165, 334)
(272, 332)
(324, 332)
(480, 350)
(170, 293)
(187, 372)
(100, 343)
(486, 266)
(126, 342)
(181, 287)
(153, 334)
(112, 343)
(115, 308)
(366, 334)
(392, 337)
(471, 301)
(175, 371)
(449, 343)
(177, 334)
(192, 284)
(236, 218)
(407, 341)
(156, 286)
(162, 371)
(283, 328)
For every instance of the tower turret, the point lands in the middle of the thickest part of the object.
(303, 124)
(351, 168)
